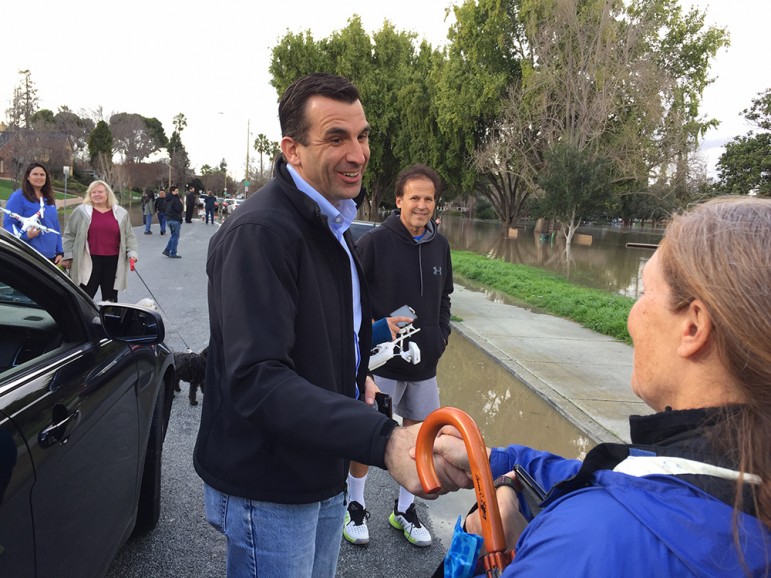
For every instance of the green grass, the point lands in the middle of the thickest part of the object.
(6, 188)
(597, 310)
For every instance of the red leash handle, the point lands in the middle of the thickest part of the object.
(492, 527)
(131, 263)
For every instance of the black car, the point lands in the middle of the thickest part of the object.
(85, 398)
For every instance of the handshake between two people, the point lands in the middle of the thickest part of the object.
(451, 461)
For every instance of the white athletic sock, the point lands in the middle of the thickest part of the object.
(405, 499)
(356, 489)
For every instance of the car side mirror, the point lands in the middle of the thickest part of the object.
(130, 324)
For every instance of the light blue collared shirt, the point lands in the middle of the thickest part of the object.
(339, 220)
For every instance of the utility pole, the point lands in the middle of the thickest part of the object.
(246, 176)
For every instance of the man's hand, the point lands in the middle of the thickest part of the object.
(393, 327)
(32, 232)
(370, 389)
(450, 447)
(400, 462)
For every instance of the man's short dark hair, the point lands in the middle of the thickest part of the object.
(417, 172)
(291, 107)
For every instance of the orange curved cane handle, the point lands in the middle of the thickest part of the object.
(489, 514)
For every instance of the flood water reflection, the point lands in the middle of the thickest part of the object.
(506, 411)
(607, 264)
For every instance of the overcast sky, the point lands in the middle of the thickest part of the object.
(162, 57)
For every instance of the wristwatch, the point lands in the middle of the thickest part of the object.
(506, 481)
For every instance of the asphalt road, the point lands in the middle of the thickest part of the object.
(183, 544)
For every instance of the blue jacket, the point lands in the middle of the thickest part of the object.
(48, 244)
(598, 522)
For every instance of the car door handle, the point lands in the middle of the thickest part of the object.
(61, 427)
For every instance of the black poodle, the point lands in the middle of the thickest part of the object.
(191, 367)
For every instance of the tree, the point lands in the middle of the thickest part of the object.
(576, 182)
(483, 60)
(621, 80)
(24, 103)
(136, 137)
(179, 162)
(745, 166)
(100, 149)
(75, 129)
(265, 146)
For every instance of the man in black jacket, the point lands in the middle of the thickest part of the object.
(406, 262)
(191, 200)
(174, 210)
(160, 209)
(288, 308)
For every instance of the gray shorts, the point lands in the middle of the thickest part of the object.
(413, 400)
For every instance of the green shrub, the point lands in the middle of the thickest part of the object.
(597, 310)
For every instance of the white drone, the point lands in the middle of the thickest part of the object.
(384, 352)
(32, 222)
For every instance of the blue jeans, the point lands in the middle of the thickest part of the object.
(267, 539)
(148, 221)
(162, 221)
(210, 213)
(175, 227)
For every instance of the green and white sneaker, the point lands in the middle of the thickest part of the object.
(355, 524)
(408, 522)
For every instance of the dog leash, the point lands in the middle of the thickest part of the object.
(135, 270)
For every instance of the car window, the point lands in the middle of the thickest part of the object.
(27, 330)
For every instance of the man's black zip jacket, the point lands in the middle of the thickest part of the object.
(280, 421)
(402, 271)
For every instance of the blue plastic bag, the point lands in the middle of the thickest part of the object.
(461, 558)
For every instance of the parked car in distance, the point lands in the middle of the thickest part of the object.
(358, 228)
(85, 399)
(230, 205)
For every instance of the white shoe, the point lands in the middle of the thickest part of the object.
(408, 522)
(355, 524)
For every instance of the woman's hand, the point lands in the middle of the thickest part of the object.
(513, 521)
(32, 232)
(66, 263)
(450, 446)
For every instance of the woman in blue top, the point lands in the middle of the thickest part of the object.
(691, 495)
(36, 185)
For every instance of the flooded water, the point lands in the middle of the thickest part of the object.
(506, 411)
(607, 264)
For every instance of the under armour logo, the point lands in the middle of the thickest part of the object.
(437, 270)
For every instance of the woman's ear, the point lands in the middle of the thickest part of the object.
(696, 330)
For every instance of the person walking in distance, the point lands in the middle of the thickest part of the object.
(407, 243)
(173, 208)
(209, 202)
(160, 210)
(148, 205)
(288, 308)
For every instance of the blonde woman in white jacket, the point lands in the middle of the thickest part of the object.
(98, 243)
